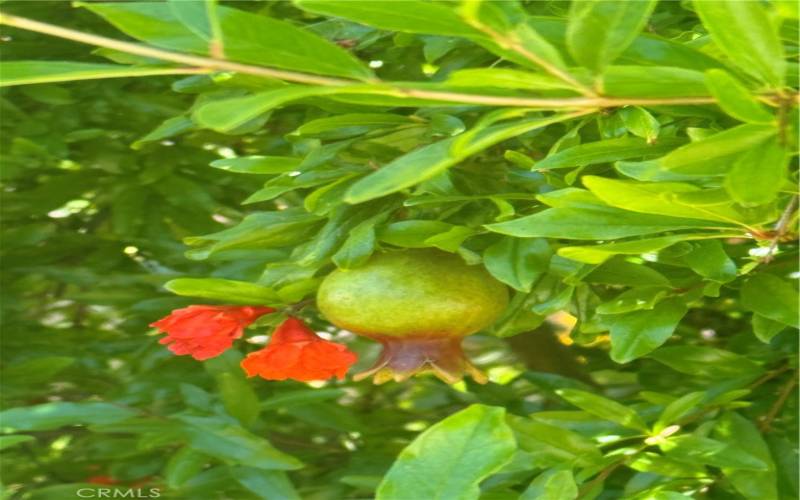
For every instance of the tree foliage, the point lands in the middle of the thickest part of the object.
(628, 169)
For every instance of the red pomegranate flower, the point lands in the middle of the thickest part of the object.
(206, 331)
(296, 352)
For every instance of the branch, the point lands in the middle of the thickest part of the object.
(772, 413)
(205, 63)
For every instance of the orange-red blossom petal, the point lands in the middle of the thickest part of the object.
(206, 331)
(296, 352)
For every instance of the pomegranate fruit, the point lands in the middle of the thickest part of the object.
(419, 304)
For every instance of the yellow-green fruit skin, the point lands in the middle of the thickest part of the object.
(412, 293)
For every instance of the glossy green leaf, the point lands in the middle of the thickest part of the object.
(747, 34)
(28, 72)
(226, 114)
(677, 409)
(560, 443)
(653, 81)
(708, 259)
(239, 292)
(606, 151)
(553, 484)
(258, 164)
(504, 78)
(414, 17)
(604, 408)
(735, 99)
(518, 262)
(702, 450)
(715, 154)
(267, 41)
(741, 431)
(758, 174)
(154, 23)
(600, 30)
(638, 333)
(597, 254)
(771, 297)
(428, 161)
(597, 223)
(765, 329)
(449, 459)
(658, 198)
(706, 362)
(640, 123)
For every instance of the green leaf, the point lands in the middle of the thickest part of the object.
(9, 441)
(37, 370)
(740, 431)
(559, 443)
(352, 124)
(765, 329)
(240, 400)
(747, 34)
(49, 416)
(518, 262)
(256, 231)
(640, 123)
(771, 297)
(598, 254)
(154, 23)
(702, 450)
(228, 291)
(235, 445)
(596, 223)
(266, 41)
(225, 115)
(449, 459)
(169, 128)
(265, 484)
(678, 409)
(638, 333)
(358, 247)
(414, 17)
(635, 299)
(617, 271)
(657, 198)
(604, 408)
(758, 174)
(706, 362)
(183, 465)
(591, 153)
(708, 259)
(714, 155)
(653, 81)
(552, 484)
(504, 78)
(735, 99)
(600, 30)
(28, 72)
(428, 161)
(258, 164)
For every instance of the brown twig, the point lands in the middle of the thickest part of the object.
(205, 64)
(781, 227)
(774, 410)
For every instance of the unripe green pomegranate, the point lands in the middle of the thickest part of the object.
(419, 304)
